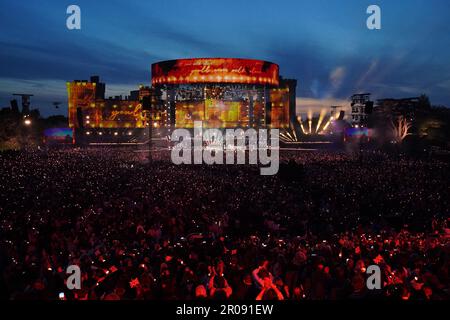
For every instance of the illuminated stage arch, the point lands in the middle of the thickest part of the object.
(223, 93)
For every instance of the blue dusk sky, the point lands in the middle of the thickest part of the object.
(325, 45)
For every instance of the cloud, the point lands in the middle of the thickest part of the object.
(365, 76)
(336, 79)
(326, 53)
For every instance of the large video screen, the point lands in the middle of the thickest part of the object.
(188, 112)
(213, 113)
(224, 114)
(58, 133)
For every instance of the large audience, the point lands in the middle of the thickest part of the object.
(154, 230)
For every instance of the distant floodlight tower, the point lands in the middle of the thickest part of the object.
(25, 102)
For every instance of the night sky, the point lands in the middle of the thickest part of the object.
(325, 45)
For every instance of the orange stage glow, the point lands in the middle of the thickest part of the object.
(100, 113)
(280, 107)
(215, 70)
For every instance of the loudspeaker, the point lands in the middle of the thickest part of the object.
(369, 107)
(80, 118)
(146, 103)
(341, 115)
(14, 106)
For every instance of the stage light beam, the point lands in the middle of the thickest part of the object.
(326, 125)
(301, 124)
(321, 117)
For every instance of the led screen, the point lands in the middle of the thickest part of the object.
(215, 70)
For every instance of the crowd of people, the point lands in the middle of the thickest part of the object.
(155, 230)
